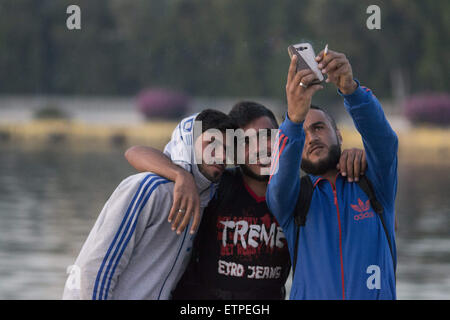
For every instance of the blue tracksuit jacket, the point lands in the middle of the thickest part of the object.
(343, 252)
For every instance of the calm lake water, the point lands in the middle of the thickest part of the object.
(50, 197)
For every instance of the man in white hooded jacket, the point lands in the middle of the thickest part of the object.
(131, 252)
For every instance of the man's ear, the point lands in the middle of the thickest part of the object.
(339, 137)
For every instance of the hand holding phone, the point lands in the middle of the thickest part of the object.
(306, 59)
(338, 70)
(299, 91)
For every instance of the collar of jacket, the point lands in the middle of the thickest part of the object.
(316, 179)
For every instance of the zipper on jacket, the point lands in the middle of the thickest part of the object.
(333, 187)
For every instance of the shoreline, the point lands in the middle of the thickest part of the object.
(416, 144)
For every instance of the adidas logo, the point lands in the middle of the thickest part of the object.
(363, 209)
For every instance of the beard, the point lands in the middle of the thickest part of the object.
(214, 177)
(324, 165)
(249, 173)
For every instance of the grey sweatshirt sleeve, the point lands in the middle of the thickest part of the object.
(110, 244)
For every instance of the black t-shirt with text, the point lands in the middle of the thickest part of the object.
(240, 251)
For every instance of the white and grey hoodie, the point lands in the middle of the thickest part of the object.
(131, 252)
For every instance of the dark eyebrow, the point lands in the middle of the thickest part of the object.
(316, 123)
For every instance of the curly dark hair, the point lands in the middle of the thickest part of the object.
(245, 112)
(214, 119)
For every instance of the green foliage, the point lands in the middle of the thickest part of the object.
(215, 47)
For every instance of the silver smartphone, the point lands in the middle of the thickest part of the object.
(306, 59)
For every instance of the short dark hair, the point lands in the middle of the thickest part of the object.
(245, 112)
(327, 114)
(214, 119)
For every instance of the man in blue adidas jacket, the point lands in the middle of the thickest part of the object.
(343, 251)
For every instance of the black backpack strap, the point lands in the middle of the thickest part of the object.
(303, 201)
(365, 184)
(301, 211)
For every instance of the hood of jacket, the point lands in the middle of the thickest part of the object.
(181, 151)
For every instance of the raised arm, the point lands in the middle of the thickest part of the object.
(284, 184)
(185, 194)
(380, 141)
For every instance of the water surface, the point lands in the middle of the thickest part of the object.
(50, 197)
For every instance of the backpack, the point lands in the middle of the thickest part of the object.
(304, 202)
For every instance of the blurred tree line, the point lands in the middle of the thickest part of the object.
(216, 47)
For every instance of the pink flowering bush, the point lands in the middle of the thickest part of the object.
(162, 103)
(433, 108)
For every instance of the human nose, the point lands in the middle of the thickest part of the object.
(223, 153)
(311, 137)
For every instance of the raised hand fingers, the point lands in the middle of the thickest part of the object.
(305, 76)
(196, 219)
(181, 211)
(334, 64)
(319, 57)
(292, 69)
(363, 163)
(346, 164)
(305, 73)
(294, 85)
(357, 165)
(343, 163)
(308, 79)
(331, 55)
(313, 88)
(333, 75)
(186, 218)
(175, 206)
(186, 202)
(350, 164)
